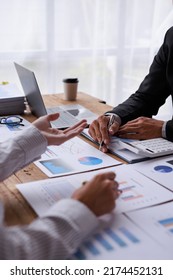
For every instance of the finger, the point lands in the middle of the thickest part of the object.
(103, 125)
(82, 123)
(117, 193)
(104, 148)
(114, 128)
(52, 117)
(107, 176)
(129, 126)
(94, 131)
(72, 133)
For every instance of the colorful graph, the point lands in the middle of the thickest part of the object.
(56, 166)
(129, 191)
(108, 240)
(55, 191)
(167, 223)
(163, 168)
(90, 160)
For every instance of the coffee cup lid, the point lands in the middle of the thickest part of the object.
(71, 80)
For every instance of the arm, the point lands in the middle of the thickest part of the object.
(60, 232)
(55, 236)
(32, 142)
(154, 89)
(136, 112)
(20, 151)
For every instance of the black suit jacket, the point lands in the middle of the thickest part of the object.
(154, 89)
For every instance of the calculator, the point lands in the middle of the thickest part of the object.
(150, 148)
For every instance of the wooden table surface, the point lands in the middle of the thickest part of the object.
(17, 210)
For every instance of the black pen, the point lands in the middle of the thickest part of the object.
(111, 121)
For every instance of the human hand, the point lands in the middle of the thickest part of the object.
(99, 194)
(141, 128)
(100, 132)
(55, 136)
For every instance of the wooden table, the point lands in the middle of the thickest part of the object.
(17, 210)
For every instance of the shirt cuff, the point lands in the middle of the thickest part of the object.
(116, 117)
(76, 213)
(164, 130)
(33, 143)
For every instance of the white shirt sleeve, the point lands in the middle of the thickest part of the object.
(57, 235)
(61, 230)
(21, 150)
(116, 117)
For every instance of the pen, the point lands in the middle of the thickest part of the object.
(111, 121)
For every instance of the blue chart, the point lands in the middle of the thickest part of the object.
(167, 224)
(56, 166)
(129, 191)
(90, 160)
(163, 168)
(108, 240)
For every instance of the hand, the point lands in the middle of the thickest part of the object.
(99, 131)
(99, 194)
(55, 136)
(141, 128)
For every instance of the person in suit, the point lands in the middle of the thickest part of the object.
(62, 229)
(133, 118)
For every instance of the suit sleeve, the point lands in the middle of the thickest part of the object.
(154, 89)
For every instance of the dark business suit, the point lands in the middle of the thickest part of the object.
(154, 89)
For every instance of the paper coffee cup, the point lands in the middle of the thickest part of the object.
(70, 88)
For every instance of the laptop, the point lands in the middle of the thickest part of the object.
(69, 114)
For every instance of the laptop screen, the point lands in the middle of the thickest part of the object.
(31, 90)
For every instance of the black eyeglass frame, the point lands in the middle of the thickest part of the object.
(4, 120)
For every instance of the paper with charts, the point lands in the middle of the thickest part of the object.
(160, 170)
(9, 131)
(73, 156)
(138, 191)
(119, 238)
(157, 222)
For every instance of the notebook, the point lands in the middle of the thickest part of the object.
(69, 114)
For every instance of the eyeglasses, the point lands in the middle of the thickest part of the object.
(12, 121)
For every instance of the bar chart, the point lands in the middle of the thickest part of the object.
(167, 224)
(110, 241)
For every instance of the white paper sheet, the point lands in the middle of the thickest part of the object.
(138, 191)
(74, 156)
(116, 148)
(160, 170)
(157, 222)
(120, 238)
(7, 132)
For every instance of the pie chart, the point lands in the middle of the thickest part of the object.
(90, 160)
(163, 168)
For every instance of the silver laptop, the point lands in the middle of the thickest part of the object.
(69, 114)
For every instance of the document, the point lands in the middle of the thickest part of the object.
(119, 238)
(74, 156)
(137, 190)
(157, 222)
(8, 91)
(116, 148)
(120, 234)
(8, 131)
(160, 170)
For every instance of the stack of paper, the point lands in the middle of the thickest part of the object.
(11, 100)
